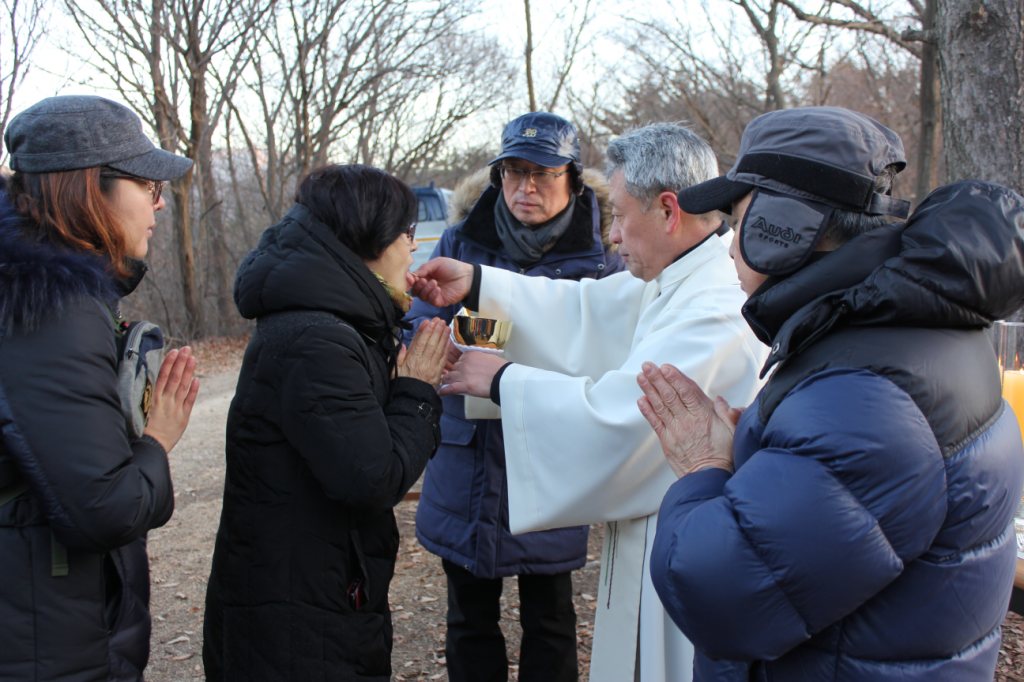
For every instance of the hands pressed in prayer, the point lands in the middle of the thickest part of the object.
(425, 357)
(472, 375)
(695, 431)
(441, 281)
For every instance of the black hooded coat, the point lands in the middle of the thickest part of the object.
(74, 577)
(321, 445)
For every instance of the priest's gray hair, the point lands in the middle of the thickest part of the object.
(661, 157)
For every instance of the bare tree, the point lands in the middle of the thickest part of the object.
(873, 79)
(917, 39)
(575, 20)
(22, 26)
(718, 90)
(981, 68)
(409, 123)
(973, 49)
(765, 22)
(574, 43)
(529, 57)
(159, 57)
(383, 82)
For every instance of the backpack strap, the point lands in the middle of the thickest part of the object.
(118, 322)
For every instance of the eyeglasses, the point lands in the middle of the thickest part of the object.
(411, 232)
(156, 187)
(539, 178)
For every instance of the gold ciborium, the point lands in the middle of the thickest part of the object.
(469, 329)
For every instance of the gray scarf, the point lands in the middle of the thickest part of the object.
(527, 244)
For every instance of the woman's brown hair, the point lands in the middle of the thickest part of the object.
(71, 209)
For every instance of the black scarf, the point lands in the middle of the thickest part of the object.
(527, 244)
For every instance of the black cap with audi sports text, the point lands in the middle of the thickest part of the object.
(800, 165)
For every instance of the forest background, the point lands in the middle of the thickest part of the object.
(260, 92)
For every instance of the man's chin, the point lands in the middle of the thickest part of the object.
(527, 217)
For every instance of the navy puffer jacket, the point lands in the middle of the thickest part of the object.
(866, 532)
(463, 513)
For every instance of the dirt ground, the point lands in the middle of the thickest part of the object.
(180, 554)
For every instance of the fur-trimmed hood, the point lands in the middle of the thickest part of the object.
(39, 279)
(469, 189)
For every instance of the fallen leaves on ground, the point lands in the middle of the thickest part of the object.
(1010, 667)
(219, 354)
(419, 598)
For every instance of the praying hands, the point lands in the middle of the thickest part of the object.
(695, 431)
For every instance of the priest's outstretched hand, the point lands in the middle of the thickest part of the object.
(441, 282)
(695, 432)
(472, 375)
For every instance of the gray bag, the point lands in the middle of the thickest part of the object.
(140, 354)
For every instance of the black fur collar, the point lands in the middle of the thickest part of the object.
(581, 236)
(39, 279)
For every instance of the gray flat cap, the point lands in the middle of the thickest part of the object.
(83, 131)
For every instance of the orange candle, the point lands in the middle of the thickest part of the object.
(1013, 393)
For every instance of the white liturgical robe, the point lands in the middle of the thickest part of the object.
(578, 450)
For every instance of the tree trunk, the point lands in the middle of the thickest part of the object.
(981, 69)
(222, 275)
(198, 121)
(529, 57)
(928, 142)
(182, 190)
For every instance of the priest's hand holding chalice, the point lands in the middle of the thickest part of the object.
(441, 282)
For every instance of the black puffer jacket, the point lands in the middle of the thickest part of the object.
(90, 493)
(320, 447)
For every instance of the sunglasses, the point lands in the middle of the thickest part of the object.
(156, 187)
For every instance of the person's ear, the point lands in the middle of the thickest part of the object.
(668, 205)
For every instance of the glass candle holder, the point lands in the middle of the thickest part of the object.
(1009, 340)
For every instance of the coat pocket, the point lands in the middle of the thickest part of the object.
(370, 578)
(448, 481)
(126, 605)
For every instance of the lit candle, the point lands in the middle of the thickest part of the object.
(1013, 393)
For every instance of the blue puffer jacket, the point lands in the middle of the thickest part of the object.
(866, 532)
(463, 512)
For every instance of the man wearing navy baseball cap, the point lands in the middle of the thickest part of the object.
(534, 211)
(576, 449)
(854, 522)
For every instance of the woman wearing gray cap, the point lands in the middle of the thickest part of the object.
(77, 493)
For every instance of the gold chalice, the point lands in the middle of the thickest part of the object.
(469, 329)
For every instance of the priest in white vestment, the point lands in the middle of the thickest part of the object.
(578, 450)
